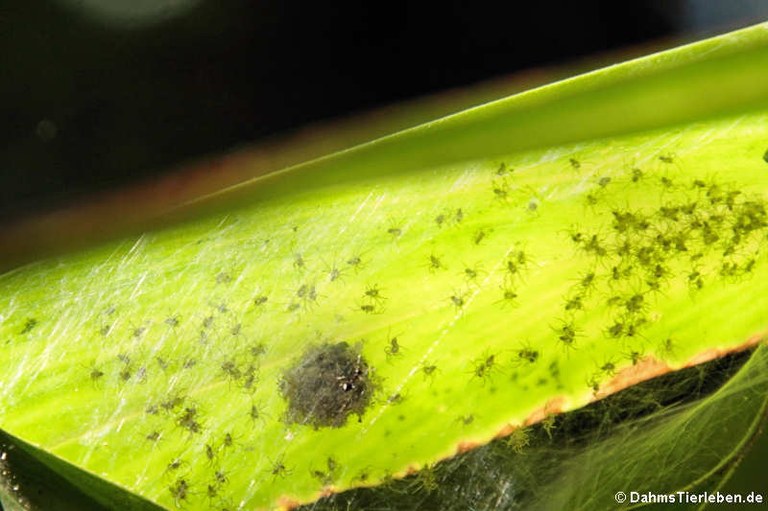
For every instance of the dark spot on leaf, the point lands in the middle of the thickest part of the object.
(326, 385)
(29, 325)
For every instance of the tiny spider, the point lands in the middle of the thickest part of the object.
(334, 273)
(373, 293)
(608, 368)
(179, 490)
(279, 469)
(368, 308)
(459, 300)
(393, 349)
(472, 273)
(95, 373)
(29, 325)
(503, 170)
(479, 235)
(355, 261)
(255, 413)
(435, 263)
(298, 261)
(428, 370)
(175, 464)
(210, 453)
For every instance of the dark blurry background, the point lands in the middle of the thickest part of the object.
(98, 93)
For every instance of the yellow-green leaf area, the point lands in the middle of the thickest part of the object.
(476, 294)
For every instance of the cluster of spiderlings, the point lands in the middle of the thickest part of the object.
(395, 229)
(519, 361)
(303, 297)
(212, 348)
(189, 419)
(174, 416)
(502, 190)
(700, 230)
(500, 186)
(244, 374)
(435, 263)
(328, 474)
(484, 367)
(448, 217)
(515, 265)
(372, 300)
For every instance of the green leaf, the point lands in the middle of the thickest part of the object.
(551, 249)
